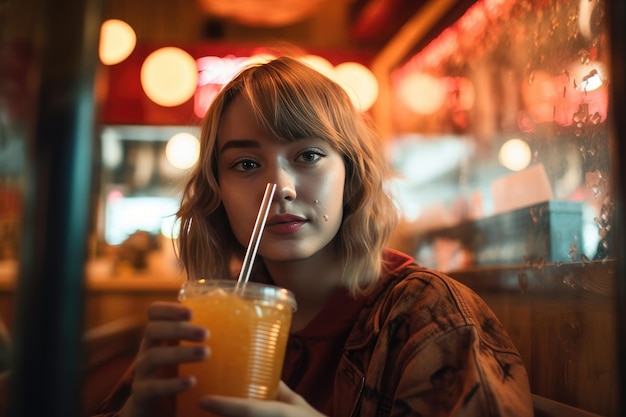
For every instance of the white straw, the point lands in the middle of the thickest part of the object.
(255, 238)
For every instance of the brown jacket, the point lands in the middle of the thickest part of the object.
(425, 345)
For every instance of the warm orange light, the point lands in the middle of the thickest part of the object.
(169, 76)
(319, 64)
(359, 82)
(421, 93)
(258, 59)
(539, 95)
(117, 41)
(213, 72)
(579, 95)
(182, 150)
(276, 13)
(464, 93)
(514, 154)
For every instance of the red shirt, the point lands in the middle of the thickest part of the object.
(313, 353)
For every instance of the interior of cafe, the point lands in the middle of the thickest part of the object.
(500, 119)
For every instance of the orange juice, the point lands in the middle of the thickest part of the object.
(248, 335)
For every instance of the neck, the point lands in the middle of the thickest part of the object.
(313, 281)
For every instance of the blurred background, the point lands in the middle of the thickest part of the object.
(499, 117)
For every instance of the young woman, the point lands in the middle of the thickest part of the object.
(374, 333)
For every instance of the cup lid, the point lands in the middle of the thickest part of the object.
(249, 290)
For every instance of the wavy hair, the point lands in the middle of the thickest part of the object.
(293, 101)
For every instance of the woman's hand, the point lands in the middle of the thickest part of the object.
(287, 404)
(159, 354)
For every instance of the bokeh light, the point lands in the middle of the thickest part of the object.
(421, 93)
(319, 64)
(169, 76)
(359, 82)
(514, 154)
(182, 150)
(117, 41)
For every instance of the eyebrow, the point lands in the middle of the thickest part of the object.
(239, 143)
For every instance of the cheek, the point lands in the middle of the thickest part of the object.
(332, 195)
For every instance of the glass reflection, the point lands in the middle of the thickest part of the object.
(504, 181)
(526, 73)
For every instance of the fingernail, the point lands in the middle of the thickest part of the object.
(187, 382)
(200, 334)
(201, 352)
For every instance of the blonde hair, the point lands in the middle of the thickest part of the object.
(293, 101)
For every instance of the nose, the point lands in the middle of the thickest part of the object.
(285, 184)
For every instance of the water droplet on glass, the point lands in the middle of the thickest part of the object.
(533, 215)
(605, 216)
(584, 56)
(541, 262)
(568, 279)
(586, 261)
(596, 191)
(596, 118)
(585, 282)
(522, 280)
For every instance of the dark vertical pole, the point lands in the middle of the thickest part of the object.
(616, 15)
(46, 372)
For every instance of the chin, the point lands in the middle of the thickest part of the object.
(288, 254)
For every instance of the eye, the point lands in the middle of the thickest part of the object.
(311, 155)
(244, 165)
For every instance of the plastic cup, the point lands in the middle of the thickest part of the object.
(249, 327)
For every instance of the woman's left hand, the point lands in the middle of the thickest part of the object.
(287, 403)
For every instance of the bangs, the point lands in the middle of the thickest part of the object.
(294, 103)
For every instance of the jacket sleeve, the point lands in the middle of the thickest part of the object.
(458, 374)
(463, 362)
(441, 351)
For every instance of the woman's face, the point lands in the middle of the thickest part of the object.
(307, 207)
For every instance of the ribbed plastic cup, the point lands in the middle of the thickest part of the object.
(249, 327)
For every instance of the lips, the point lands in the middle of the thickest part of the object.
(284, 224)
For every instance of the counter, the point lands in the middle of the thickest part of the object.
(110, 293)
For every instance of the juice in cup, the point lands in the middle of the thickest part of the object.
(249, 327)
